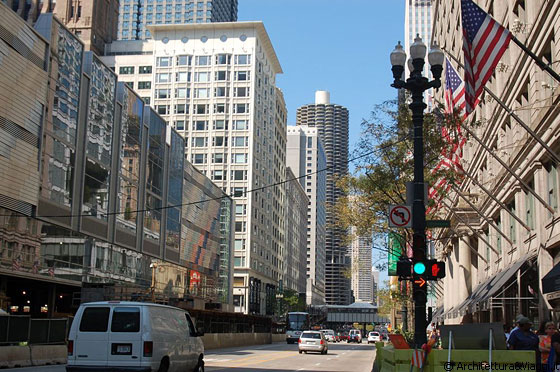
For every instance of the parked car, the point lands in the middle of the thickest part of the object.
(344, 336)
(355, 336)
(313, 341)
(133, 336)
(373, 337)
(329, 335)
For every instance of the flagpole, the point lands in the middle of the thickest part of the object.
(456, 189)
(496, 200)
(507, 168)
(539, 62)
(513, 115)
(467, 224)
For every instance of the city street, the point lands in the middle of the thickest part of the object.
(278, 357)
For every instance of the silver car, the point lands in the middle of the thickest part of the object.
(313, 341)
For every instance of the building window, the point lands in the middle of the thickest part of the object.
(223, 59)
(163, 93)
(220, 124)
(163, 77)
(240, 141)
(552, 185)
(180, 125)
(498, 222)
(221, 108)
(239, 158)
(243, 59)
(163, 61)
(163, 109)
(200, 125)
(144, 85)
(201, 93)
(530, 207)
(218, 175)
(201, 77)
(218, 158)
(239, 175)
(221, 75)
(182, 93)
(219, 141)
(242, 75)
(184, 60)
(181, 108)
(221, 92)
(126, 70)
(240, 209)
(201, 109)
(240, 125)
(146, 100)
(512, 222)
(145, 69)
(183, 77)
(203, 60)
(199, 142)
(241, 92)
(199, 158)
(241, 108)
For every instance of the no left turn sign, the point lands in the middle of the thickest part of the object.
(400, 216)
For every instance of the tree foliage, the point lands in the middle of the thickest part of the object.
(385, 152)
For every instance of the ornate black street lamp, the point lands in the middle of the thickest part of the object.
(417, 85)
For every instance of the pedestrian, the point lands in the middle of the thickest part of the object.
(524, 339)
(546, 330)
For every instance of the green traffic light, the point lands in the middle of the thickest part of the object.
(419, 268)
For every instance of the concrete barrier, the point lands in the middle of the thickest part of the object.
(15, 356)
(224, 340)
(278, 337)
(48, 354)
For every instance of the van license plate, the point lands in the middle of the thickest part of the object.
(123, 349)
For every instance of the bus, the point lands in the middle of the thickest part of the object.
(296, 322)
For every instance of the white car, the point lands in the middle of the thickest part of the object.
(329, 335)
(313, 341)
(373, 337)
(133, 336)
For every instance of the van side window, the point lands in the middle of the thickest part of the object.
(95, 319)
(192, 329)
(126, 319)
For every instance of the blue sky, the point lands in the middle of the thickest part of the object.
(342, 46)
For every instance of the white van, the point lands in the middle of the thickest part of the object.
(133, 336)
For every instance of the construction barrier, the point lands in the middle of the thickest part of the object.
(393, 360)
(32, 355)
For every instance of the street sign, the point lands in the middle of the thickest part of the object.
(438, 223)
(400, 216)
(396, 250)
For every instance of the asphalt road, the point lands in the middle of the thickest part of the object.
(279, 357)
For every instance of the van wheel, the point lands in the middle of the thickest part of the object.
(164, 365)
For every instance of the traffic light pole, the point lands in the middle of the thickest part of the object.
(417, 85)
(417, 107)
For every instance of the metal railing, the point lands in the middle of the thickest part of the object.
(16, 329)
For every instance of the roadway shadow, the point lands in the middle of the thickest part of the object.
(245, 369)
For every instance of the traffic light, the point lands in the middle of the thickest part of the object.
(436, 270)
(404, 269)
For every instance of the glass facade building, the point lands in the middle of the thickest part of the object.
(118, 214)
(135, 15)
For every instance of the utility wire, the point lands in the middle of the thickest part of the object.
(381, 148)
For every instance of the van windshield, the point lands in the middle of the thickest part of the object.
(126, 319)
(95, 319)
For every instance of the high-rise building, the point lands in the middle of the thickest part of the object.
(306, 156)
(136, 15)
(362, 283)
(295, 250)
(332, 122)
(215, 84)
(100, 201)
(375, 286)
(418, 21)
(94, 22)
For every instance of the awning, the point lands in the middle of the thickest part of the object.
(437, 314)
(551, 281)
(488, 288)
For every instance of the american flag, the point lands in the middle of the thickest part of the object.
(16, 263)
(484, 43)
